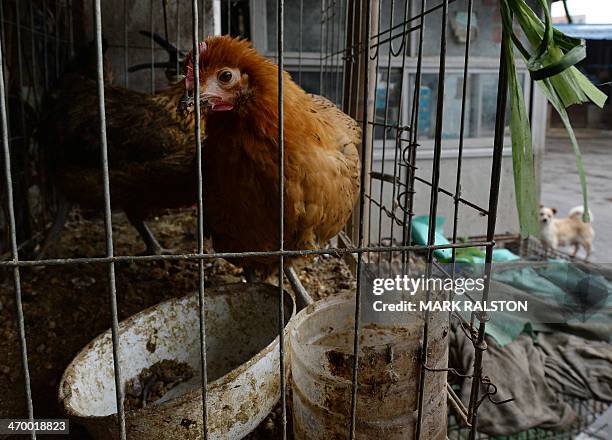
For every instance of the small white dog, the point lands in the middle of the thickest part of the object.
(568, 231)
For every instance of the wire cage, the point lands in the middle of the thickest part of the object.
(37, 39)
(383, 62)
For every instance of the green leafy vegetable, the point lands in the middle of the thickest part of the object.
(552, 66)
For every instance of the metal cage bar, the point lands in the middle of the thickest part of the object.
(321, 51)
(152, 55)
(464, 89)
(248, 254)
(177, 38)
(18, 29)
(13, 240)
(373, 121)
(45, 49)
(69, 5)
(126, 46)
(409, 154)
(108, 222)
(399, 131)
(433, 209)
(364, 142)
(280, 42)
(200, 204)
(498, 146)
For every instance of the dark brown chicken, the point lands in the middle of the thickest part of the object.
(151, 152)
(239, 90)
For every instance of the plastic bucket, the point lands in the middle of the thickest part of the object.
(388, 377)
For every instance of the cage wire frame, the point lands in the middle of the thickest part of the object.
(358, 60)
(54, 39)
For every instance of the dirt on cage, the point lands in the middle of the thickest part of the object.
(66, 306)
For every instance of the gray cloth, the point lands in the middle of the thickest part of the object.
(518, 371)
(587, 371)
(535, 372)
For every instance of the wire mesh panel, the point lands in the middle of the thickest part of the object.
(400, 107)
(394, 66)
(39, 41)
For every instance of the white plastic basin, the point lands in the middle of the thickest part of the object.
(242, 365)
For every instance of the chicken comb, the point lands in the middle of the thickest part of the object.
(189, 77)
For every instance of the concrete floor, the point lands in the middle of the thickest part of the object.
(561, 187)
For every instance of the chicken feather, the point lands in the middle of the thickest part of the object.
(240, 157)
(151, 151)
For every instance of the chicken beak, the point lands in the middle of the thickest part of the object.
(217, 103)
(216, 98)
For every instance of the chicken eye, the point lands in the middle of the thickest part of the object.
(224, 76)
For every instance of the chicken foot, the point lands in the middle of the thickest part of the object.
(61, 216)
(302, 297)
(153, 246)
(250, 275)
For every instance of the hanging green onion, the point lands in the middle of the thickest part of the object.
(552, 66)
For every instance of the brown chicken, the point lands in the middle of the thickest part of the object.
(152, 160)
(239, 92)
